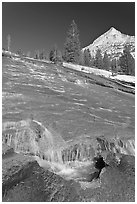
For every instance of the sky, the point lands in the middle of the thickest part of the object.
(37, 26)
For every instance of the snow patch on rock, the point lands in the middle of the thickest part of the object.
(112, 42)
(101, 72)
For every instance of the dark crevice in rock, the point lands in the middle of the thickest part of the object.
(99, 165)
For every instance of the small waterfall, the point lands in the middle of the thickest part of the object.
(78, 152)
(71, 159)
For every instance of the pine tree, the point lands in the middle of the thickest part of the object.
(132, 67)
(92, 63)
(87, 57)
(72, 49)
(114, 66)
(81, 58)
(36, 54)
(55, 55)
(98, 59)
(127, 62)
(51, 55)
(106, 62)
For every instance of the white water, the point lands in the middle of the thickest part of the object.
(70, 160)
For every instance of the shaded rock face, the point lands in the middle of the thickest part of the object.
(80, 159)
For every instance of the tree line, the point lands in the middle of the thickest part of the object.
(125, 64)
(73, 53)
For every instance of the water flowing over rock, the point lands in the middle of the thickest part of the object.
(69, 159)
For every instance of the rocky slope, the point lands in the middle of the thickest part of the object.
(113, 42)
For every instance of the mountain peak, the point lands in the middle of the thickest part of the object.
(112, 30)
(112, 42)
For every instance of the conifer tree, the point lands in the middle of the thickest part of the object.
(127, 62)
(37, 54)
(81, 58)
(51, 55)
(98, 60)
(114, 66)
(72, 45)
(92, 61)
(87, 57)
(106, 62)
(55, 55)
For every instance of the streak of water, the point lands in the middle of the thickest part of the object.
(72, 159)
